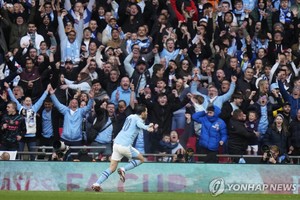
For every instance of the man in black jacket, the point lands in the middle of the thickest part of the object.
(229, 107)
(161, 113)
(295, 137)
(238, 135)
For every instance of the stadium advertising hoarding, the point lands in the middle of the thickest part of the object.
(152, 177)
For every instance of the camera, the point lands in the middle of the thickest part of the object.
(189, 155)
(180, 156)
(266, 149)
(61, 149)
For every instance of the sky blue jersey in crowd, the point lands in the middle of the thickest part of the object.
(132, 126)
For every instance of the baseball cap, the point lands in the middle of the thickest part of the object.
(107, 48)
(68, 61)
(141, 62)
(286, 103)
(112, 18)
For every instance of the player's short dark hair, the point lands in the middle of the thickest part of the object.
(13, 104)
(139, 109)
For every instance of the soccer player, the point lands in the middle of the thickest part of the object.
(134, 124)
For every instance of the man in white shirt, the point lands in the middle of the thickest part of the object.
(32, 37)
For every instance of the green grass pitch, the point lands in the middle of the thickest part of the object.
(32, 195)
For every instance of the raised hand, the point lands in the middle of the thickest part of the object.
(6, 85)
(175, 92)
(64, 13)
(50, 34)
(50, 89)
(132, 87)
(148, 96)
(252, 94)
(190, 95)
(4, 96)
(233, 79)
(192, 12)
(295, 12)
(156, 126)
(91, 93)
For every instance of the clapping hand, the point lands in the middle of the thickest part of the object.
(50, 89)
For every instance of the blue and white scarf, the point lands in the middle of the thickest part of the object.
(240, 15)
(72, 51)
(285, 16)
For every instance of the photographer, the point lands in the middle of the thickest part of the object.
(61, 152)
(272, 155)
(179, 156)
(55, 157)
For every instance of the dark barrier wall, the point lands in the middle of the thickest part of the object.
(152, 177)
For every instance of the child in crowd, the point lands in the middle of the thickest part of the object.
(166, 147)
(130, 42)
(165, 144)
(197, 73)
(245, 62)
(252, 125)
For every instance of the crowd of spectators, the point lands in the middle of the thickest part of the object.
(223, 72)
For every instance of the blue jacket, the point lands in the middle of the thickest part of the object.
(123, 95)
(213, 129)
(72, 128)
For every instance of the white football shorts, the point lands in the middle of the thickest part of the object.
(120, 151)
